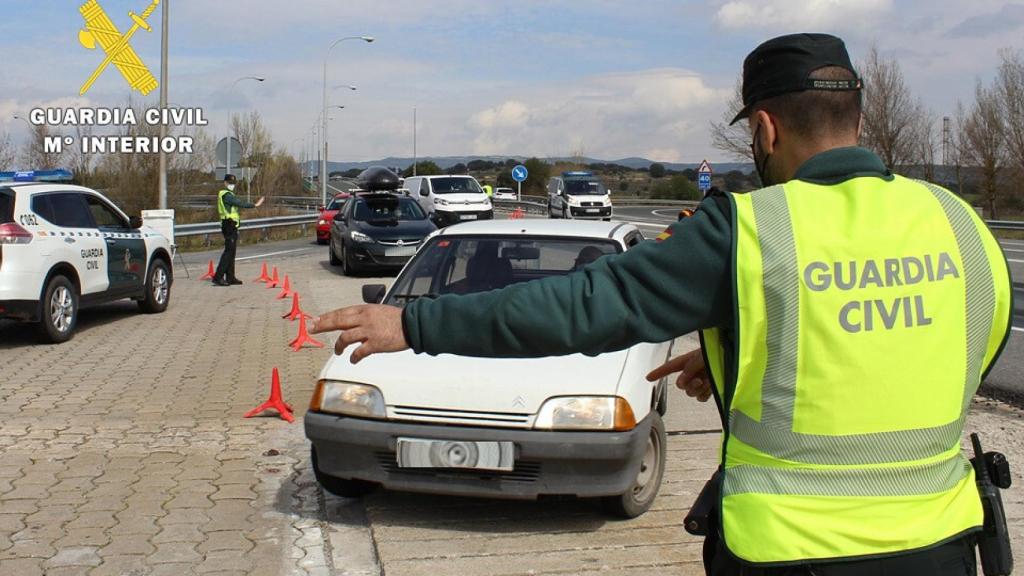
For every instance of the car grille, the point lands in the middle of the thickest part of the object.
(405, 241)
(592, 204)
(524, 471)
(470, 417)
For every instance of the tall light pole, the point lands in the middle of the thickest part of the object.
(165, 25)
(227, 165)
(323, 163)
(326, 143)
(413, 140)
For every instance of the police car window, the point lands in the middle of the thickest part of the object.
(104, 215)
(6, 206)
(42, 207)
(70, 211)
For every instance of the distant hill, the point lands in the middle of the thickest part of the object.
(446, 162)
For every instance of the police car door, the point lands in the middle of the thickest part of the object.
(126, 250)
(74, 238)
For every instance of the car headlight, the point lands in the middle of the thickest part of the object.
(360, 237)
(440, 202)
(347, 398)
(322, 222)
(607, 200)
(573, 201)
(586, 413)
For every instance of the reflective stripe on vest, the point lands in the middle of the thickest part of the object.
(836, 400)
(227, 212)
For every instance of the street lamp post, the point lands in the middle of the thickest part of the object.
(323, 164)
(227, 165)
(326, 143)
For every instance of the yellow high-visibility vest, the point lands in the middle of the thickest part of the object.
(227, 212)
(866, 314)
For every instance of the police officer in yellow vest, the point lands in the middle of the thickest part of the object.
(488, 190)
(848, 316)
(227, 208)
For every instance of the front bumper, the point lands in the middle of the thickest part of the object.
(591, 212)
(377, 255)
(447, 218)
(585, 464)
(323, 232)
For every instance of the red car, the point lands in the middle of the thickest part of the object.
(323, 223)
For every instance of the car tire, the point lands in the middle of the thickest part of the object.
(662, 406)
(58, 311)
(158, 288)
(565, 212)
(322, 242)
(607, 219)
(340, 486)
(641, 494)
(348, 266)
(335, 261)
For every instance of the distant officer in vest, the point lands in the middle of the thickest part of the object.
(488, 190)
(227, 208)
(847, 317)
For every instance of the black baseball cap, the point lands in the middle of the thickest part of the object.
(230, 178)
(784, 64)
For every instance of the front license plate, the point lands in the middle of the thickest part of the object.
(400, 251)
(593, 210)
(467, 216)
(420, 453)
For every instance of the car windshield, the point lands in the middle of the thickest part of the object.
(583, 188)
(6, 206)
(387, 209)
(453, 265)
(337, 204)
(455, 186)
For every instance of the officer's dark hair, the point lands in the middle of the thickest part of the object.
(813, 113)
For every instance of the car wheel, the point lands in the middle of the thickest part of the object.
(348, 265)
(340, 486)
(641, 494)
(158, 288)
(663, 399)
(607, 219)
(321, 241)
(59, 311)
(565, 212)
(335, 261)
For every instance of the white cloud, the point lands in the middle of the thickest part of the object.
(779, 15)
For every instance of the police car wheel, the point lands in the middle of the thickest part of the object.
(340, 486)
(641, 495)
(158, 289)
(59, 311)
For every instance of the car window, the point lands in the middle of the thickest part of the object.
(104, 215)
(455, 185)
(337, 204)
(583, 187)
(42, 207)
(452, 265)
(68, 209)
(401, 209)
(6, 206)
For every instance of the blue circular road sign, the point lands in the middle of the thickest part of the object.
(520, 173)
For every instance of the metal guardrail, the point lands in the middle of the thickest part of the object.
(1004, 225)
(183, 230)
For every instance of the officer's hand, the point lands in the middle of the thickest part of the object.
(375, 327)
(260, 202)
(693, 378)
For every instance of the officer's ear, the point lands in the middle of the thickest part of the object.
(766, 130)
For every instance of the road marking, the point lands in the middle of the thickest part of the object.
(1017, 261)
(1012, 250)
(1015, 329)
(258, 256)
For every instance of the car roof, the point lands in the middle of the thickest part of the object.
(40, 187)
(538, 227)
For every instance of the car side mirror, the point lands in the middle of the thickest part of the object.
(339, 217)
(374, 293)
(135, 222)
(424, 193)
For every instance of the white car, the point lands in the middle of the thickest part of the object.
(450, 199)
(578, 195)
(64, 246)
(505, 194)
(506, 428)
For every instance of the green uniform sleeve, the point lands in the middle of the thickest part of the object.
(231, 200)
(653, 293)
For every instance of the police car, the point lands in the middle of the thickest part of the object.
(64, 246)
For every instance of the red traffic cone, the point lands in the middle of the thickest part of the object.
(303, 338)
(274, 281)
(286, 290)
(209, 272)
(296, 311)
(275, 401)
(264, 278)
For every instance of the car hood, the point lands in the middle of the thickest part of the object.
(462, 199)
(460, 383)
(404, 229)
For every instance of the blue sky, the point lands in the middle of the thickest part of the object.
(610, 79)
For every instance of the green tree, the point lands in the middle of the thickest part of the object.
(424, 168)
(676, 188)
(537, 182)
(657, 170)
(459, 168)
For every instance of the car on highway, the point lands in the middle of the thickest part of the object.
(508, 428)
(63, 247)
(505, 194)
(579, 195)
(326, 218)
(377, 231)
(451, 199)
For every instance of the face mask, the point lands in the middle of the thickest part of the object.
(760, 165)
(231, 187)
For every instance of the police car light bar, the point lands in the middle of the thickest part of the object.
(577, 174)
(59, 175)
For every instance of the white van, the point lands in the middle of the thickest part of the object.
(451, 199)
(579, 195)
